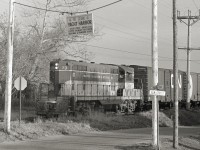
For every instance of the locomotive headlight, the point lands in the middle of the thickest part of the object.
(56, 65)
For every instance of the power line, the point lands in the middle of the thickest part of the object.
(147, 8)
(134, 35)
(116, 23)
(41, 8)
(118, 50)
(124, 51)
(142, 38)
(65, 12)
(195, 4)
(165, 4)
(101, 7)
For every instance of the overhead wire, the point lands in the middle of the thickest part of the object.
(118, 50)
(124, 32)
(134, 35)
(6, 8)
(165, 4)
(195, 5)
(66, 12)
(142, 54)
(146, 7)
(116, 23)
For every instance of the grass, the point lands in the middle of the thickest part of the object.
(25, 114)
(105, 122)
(32, 127)
(186, 117)
(40, 128)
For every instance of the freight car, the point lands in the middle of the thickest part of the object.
(194, 90)
(83, 87)
(165, 78)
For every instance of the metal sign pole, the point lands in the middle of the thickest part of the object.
(158, 141)
(20, 101)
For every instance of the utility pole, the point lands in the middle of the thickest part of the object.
(175, 79)
(191, 20)
(8, 91)
(154, 47)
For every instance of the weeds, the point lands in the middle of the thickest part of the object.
(33, 127)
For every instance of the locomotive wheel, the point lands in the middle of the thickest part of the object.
(130, 106)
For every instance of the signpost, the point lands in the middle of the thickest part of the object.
(20, 84)
(81, 24)
(157, 93)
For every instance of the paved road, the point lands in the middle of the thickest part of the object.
(111, 140)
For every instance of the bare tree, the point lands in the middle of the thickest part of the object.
(40, 37)
(45, 38)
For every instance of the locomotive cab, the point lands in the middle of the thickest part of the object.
(50, 103)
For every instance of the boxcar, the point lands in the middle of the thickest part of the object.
(165, 79)
(194, 89)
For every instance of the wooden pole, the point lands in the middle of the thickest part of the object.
(154, 72)
(188, 63)
(191, 20)
(175, 79)
(8, 91)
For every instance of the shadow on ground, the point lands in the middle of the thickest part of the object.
(142, 146)
(189, 147)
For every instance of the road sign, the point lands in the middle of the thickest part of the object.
(81, 24)
(157, 93)
(20, 83)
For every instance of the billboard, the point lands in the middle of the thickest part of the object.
(80, 24)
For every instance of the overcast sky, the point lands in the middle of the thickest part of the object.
(126, 32)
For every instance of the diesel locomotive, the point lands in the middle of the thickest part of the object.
(83, 87)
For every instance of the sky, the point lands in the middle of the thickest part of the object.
(125, 29)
